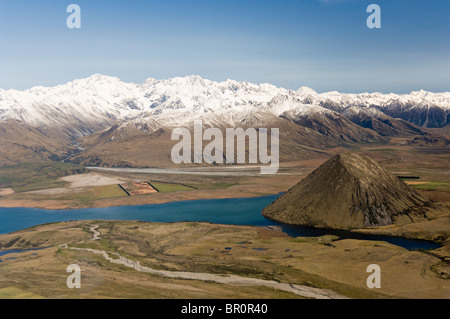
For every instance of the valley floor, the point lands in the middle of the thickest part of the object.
(199, 260)
(325, 263)
(50, 186)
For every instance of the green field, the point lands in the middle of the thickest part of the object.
(173, 187)
(35, 176)
(96, 193)
(213, 186)
(439, 186)
(169, 187)
(381, 150)
(16, 293)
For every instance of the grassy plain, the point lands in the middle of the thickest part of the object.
(34, 176)
(40, 184)
(322, 262)
(338, 265)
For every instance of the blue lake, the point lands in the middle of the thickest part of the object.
(233, 211)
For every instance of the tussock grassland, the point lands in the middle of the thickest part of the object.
(324, 262)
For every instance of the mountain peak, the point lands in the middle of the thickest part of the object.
(348, 191)
(191, 79)
(304, 91)
(100, 78)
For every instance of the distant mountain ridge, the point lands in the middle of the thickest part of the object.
(92, 120)
(102, 100)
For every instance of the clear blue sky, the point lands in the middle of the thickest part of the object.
(321, 44)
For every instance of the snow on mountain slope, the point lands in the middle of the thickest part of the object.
(101, 101)
(421, 108)
(95, 100)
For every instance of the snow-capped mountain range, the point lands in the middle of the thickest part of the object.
(103, 121)
(102, 101)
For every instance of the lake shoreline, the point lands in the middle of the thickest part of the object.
(253, 252)
(408, 242)
(158, 198)
(357, 232)
(380, 231)
(144, 200)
